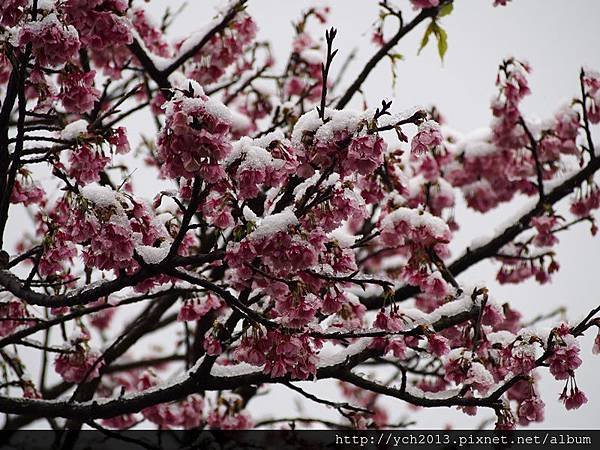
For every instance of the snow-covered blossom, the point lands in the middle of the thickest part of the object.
(194, 140)
(427, 138)
(52, 43)
(408, 227)
(290, 234)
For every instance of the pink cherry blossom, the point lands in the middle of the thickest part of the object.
(222, 51)
(99, 22)
(119, 139)
(78, 93)
(575, 400)
(596, 347)
(52, 43)
(424, 3)
(78, 366)
(437, 345)
(12, 309)
(427, 138)
(563, 361)
(194, 140)
(86, 163)
(531, 410)
(11, 12)
(27, 194)
(195, 309)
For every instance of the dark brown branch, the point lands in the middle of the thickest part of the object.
(86, 295)
(586, 120)
(536, 157)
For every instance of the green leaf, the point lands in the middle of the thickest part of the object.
(440, 35)
(442, 38)
(446, 10)
(425, 39)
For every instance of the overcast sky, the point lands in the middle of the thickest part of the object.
(557, 37)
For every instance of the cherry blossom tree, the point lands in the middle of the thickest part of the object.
(300, 240)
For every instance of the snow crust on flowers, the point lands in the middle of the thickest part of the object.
(252, 156)
(332, 356)
(52, 42)
(46, 5)
(342, 237)
(441, 395)
(331, 180)
(312, 56)
(102, 196)
(338, 120)
(463, 304)
(74, 129)
(265, 140)
(479, 376)
(436, 226)
(502, 337)
(250, 215)
(153, 255)
(273, 224)
(234, 370)
(218, 109)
